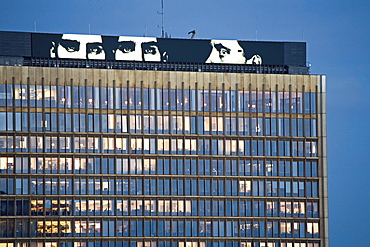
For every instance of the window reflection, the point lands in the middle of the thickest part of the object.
(135, 98)
(274, 139)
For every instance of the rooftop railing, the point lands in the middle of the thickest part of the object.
(160, 66)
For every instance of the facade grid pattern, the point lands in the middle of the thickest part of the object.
(133, 159)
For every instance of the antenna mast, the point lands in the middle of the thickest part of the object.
(162, 13)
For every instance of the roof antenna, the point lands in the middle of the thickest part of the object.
(162, 13)
(34, 23)
(256, 34)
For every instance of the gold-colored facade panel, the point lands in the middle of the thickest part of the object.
(135, 77)
(158, 77)
(165, 77)
(150, 78)
(206, 77)
(53, 76)
(179, 80)
(35, 75)
(104, 78)
(186, 79)
(46, 76)
(234, 78)
(12, 72)
(174, 77)
(217, 83)
(267, 83)
(225, 79)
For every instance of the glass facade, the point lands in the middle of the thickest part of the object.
(105, 163)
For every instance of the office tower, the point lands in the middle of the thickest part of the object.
(143, 142)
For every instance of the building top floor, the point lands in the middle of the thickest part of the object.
(42, 49)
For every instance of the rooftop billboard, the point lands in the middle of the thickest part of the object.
(126, 48)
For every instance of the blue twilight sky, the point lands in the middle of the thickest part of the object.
(338, 45)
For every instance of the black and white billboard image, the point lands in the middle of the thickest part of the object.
(126, 48)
